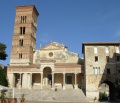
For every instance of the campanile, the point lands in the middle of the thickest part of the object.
(24, 36)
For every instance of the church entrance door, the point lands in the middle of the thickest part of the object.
(69, 80)
(49, 76)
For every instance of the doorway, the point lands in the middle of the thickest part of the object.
(69, 79)
(49, 76)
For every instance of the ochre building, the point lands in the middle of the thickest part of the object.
(102, 66)
(50, 66)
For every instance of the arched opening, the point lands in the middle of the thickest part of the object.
(107, 91)
(18, 81)
(47, 76)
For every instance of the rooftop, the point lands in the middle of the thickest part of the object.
(98, 43)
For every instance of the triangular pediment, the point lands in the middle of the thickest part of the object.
(53, 45)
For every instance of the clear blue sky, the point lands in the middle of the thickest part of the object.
(65, 21)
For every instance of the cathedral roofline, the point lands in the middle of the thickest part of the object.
(56, 44)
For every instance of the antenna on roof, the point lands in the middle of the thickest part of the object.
(50, 41)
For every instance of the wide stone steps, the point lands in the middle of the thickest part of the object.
(52, 95)
(49, 86)
(69, 86)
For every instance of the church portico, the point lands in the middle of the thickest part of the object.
(46, 79)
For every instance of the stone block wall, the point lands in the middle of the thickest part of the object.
(93, 81)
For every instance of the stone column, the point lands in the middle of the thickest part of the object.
(30, 80)
(75, 86)
(20, 85)
(25, 81)
(11, 79)
(41, 80)
(63, 81)
(52, 80)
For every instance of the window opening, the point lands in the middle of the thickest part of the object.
(20, 55)
(108, 71)
(107, 59)
(96, 58)
(118, 58)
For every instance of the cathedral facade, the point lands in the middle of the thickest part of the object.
(50, 66)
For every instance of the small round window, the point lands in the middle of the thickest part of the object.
(50, 54)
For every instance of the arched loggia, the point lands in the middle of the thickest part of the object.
(47, 76)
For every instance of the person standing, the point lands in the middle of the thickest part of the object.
(108, 98)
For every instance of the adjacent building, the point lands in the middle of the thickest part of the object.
(102, 65)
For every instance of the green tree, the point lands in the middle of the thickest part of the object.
(3, 54)
(3, 80)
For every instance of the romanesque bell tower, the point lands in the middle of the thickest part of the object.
(24, 37)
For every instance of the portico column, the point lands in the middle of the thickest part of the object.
(20, 85)
(52, 80)
(41, 80)
(63, 81)
(75, 86)
(30, 80)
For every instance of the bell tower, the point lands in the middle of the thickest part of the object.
(24, 36)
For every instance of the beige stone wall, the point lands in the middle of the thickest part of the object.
(93, 81)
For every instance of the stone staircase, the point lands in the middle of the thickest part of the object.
(36, 87)
(49, 86)
(69, 86)
(46, 86)
(68, 95)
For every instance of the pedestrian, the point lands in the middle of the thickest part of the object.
(53, 97)
(55, 88)
(108, 98)
(95, 99)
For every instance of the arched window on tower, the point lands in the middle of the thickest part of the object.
(20, 30)
(21, 42)
(23, 30)
(20, 55)
(23, 19)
